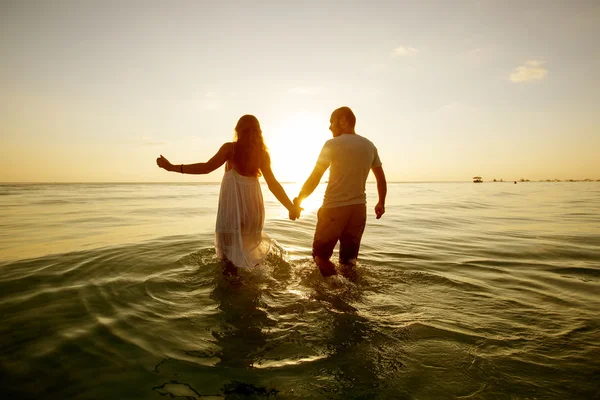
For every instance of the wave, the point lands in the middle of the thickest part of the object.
(494, 298)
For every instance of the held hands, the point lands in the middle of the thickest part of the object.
(295, 212)
(164, 163)
(379, 210)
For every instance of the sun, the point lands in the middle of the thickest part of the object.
(294, 142)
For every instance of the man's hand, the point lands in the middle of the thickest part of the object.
(379, 210)
(164, 163)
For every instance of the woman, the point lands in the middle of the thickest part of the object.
(239, 238)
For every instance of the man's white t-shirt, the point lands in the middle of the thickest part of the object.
(350, 158)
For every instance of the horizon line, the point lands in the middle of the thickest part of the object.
(285, 182)
(166, 182)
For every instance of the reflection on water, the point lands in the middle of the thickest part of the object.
(240, 336)
(461, 291)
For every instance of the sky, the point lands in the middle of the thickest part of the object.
(95, 91)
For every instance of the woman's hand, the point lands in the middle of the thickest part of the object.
(164, 163)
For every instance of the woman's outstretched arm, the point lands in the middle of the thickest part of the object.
(215, 162)
(276, 188)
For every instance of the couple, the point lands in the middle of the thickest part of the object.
(239, 236)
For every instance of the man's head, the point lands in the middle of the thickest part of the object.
(342, 121)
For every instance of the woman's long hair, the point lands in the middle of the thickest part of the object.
(248, 145)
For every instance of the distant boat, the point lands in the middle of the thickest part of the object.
(477, 179)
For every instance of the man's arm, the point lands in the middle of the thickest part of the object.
(311, 183)
(381, 190)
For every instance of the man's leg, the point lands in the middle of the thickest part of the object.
(330, 223)
(352, 234)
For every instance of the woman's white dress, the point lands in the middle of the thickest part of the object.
(239, 235)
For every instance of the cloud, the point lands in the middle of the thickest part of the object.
(146, 141)
(533, 70)
(403, 51)
(210, 102)
(455, 108)
(308, 90)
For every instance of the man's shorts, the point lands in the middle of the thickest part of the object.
(346, 224)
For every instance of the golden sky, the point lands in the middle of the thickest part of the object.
(95, 91)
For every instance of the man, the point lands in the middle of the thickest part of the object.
(343, 214)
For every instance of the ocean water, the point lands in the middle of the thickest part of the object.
(463, 291)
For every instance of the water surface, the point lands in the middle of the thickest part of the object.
(479, 291)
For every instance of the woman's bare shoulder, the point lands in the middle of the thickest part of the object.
(266, 158)
(227, 148)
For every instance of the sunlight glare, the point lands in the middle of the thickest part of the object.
(313, 202)
(294, 144)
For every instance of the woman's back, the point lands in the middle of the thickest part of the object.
(248, 147)
(243, 166)
(239, 236)
(241, 213)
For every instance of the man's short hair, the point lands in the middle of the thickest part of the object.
(348, 114)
